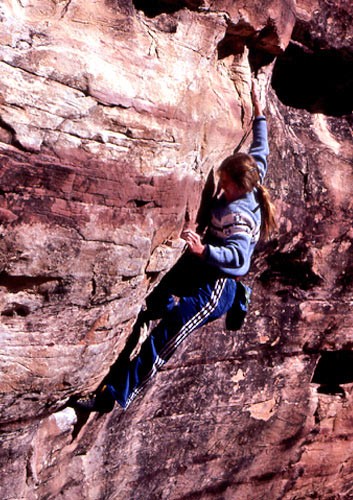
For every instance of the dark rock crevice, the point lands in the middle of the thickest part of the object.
(46, 287)
(8, 135)
(333, 369)
(263, 45)
(293, 269)
(319, 81)
(315, 72)
(15, 284)
(154, 9)
(16, 309)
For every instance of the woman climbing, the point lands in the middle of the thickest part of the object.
(206, 278)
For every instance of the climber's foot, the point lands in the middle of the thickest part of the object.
(102, 401)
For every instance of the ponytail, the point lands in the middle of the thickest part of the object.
(267, 212)
(244, 172)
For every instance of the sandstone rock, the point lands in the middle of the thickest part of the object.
(112, 115)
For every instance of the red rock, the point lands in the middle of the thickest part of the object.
(111, 118)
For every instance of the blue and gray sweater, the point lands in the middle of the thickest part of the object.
(234, 228)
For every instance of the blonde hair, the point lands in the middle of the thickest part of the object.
(244, 172)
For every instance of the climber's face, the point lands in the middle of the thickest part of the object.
(230, 189)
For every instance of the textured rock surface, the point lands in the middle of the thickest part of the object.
(111, 116)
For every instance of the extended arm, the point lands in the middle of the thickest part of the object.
(235, 252)
(259, 146)
(256, 99)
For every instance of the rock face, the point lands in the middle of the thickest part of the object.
(112, 115)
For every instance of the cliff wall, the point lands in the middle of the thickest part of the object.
(112, 116)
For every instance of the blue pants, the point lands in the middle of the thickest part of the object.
(204, 297)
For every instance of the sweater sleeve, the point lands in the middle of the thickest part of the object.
(259, 146)
(232, 258)
(233, 255)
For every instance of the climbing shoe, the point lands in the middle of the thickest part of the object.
(101, 401)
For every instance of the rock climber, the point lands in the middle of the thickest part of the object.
(206, 278)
